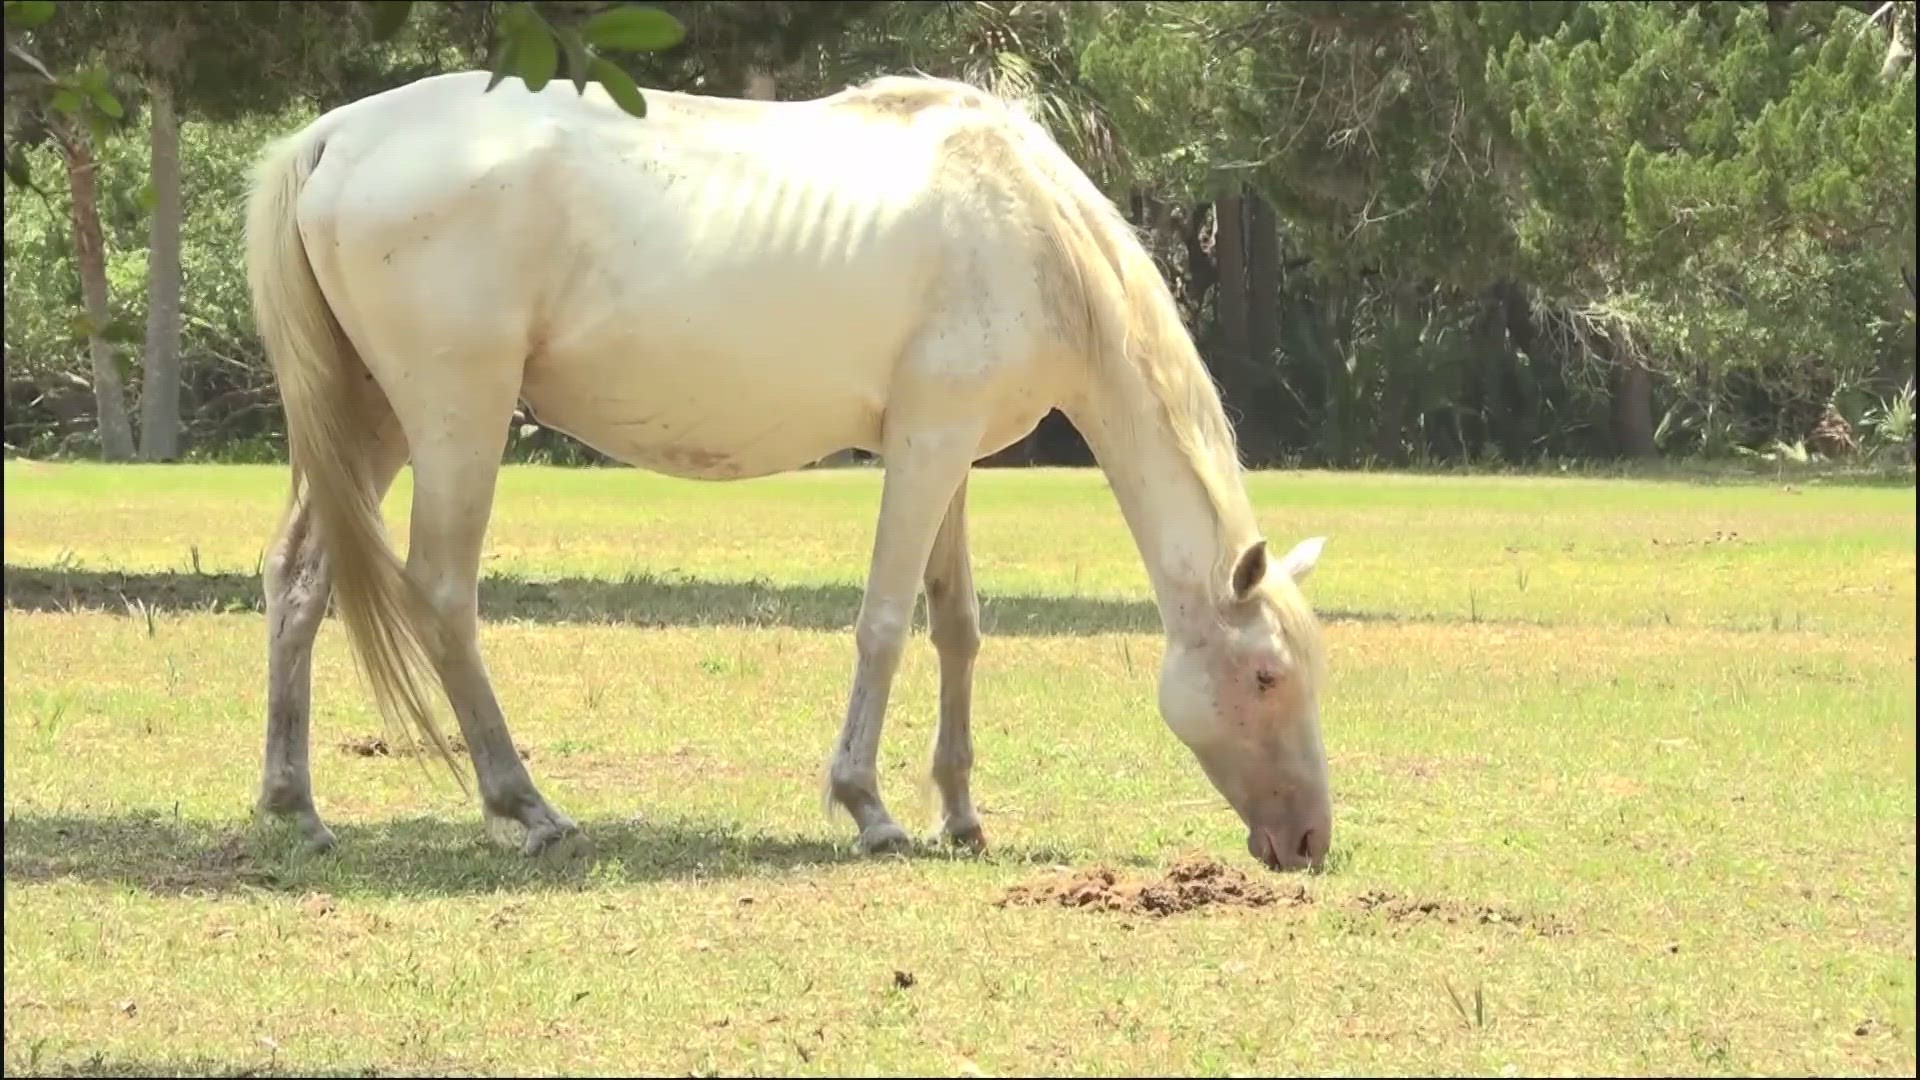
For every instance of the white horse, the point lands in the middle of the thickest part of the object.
(730, 289)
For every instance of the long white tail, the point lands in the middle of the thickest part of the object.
(315, 364)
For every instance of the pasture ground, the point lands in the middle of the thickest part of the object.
(1624, 781)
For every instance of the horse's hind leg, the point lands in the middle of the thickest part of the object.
(298, 584)
(953, 622)
(456, 462)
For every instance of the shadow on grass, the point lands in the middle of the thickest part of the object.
(635, 600)
(98, 1064)
(638, 600)
(413, 857)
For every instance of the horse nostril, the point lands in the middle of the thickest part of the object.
(1262, 846)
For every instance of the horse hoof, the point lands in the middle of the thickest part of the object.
(559, 846)
(885, 838)
(505, 833)
(972, 837)
(315, 837)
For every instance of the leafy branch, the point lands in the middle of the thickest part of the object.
(84, 97)
(533, 47)
(531, 51)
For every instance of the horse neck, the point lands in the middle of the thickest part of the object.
(1187, 530)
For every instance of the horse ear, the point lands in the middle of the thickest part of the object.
(1301, 560)
(1250, 570)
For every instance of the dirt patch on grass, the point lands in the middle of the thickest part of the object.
(1198, 882)
(1406, 911)
(370, 746)
(1191, 883)
(1718, 537)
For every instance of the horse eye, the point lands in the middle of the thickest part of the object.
(1266, 679)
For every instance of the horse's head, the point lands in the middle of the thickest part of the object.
(1242, 691)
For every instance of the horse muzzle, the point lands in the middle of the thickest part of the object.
(1297, 842)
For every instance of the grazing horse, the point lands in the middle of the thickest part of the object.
(729, 289)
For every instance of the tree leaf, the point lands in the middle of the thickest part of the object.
(27, 14)
(104, 100)
(634, 29)
(19, 167)
(149, 198)
(579, 63)
(388, 17)
(539, 57)
(68, 100)
(124, 331)
(504, 64)
(619, 86)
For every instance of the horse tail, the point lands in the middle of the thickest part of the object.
(315, 366)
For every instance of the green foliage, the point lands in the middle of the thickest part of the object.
(387, 17)
(224, 57)
(27, 14)
(533, 48)
(1737, 194)
(1483, 209)
(633, 28)
(83, 95)
(1708, 189)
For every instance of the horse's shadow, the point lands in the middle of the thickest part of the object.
(637, 599)
(100, 1063)
(418, 857)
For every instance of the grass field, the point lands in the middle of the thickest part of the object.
(1623, 778)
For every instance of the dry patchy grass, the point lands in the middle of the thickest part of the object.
(1643, 807)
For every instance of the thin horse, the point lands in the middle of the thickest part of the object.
(730, 289)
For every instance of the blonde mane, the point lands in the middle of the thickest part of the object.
(1097, 249)
(1156, 342)
(1131, 319)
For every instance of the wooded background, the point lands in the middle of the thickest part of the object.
(1402, 233)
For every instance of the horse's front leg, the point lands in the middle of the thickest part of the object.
(924, 468)
(953, 622)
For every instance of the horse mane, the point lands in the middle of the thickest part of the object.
(1131, 319)
(1117, 295)
(1155, 341)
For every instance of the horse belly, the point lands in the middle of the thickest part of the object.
(690, 412)
(727, 355)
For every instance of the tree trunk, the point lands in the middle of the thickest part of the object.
(1389, 430)
(761, 85)
(1633, 409)
(160, 367)
(1278, 423)
(1523, 390)
(1230, 303)
(1390, 427)
(1202, 270)
(90, 253)
(1263, 282)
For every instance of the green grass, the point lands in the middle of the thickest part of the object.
(1665, 731)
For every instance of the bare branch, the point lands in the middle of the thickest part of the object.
(31, 61)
